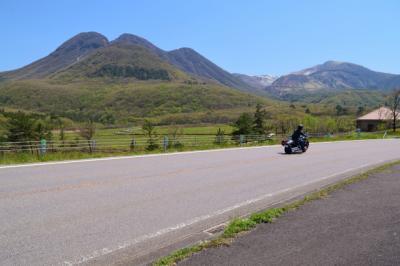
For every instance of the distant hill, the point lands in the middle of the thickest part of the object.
(126, 79)
(347, 98)
(257, 83)
(189, 61)
(130, 39)
(332, 76)
(124, 61)
(330, 83)
(69, 53)
(77, 48)
(393, 82)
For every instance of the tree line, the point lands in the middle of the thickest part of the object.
(261, 122)
(127, 71)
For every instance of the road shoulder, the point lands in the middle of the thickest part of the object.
(356, 225)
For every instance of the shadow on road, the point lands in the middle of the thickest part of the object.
(297, 153)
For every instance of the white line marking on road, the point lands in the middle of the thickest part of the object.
(131, 157)
(169, 154)
(126, 244)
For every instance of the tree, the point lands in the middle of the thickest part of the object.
(87, 132)
(394, 106)
(360, 110)
(21, 128)
(150, 132)
(220, 136)
(311, 123)
(244, 125)
(43, 130)
(3, 128)
(175, 132)
(62, 133)
(260, 115)
(340, 110)
(107, 118)
(284, 123)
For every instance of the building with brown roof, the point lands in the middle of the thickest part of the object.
(377, 119)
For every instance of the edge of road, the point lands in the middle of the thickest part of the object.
(245, 223)
(111, 158)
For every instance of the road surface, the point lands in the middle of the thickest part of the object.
(357, 225)
(115, 211)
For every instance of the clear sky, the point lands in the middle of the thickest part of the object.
(251, 37)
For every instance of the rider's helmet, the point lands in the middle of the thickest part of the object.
(300, 127)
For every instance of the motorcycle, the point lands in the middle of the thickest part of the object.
(291, 147)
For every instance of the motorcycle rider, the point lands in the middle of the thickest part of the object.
(297, 134)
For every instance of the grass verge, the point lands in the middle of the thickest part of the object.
(28, 157)
(240, 225)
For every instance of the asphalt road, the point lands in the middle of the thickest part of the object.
(117, 210)
(357, 225)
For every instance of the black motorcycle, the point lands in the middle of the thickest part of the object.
(291, 147)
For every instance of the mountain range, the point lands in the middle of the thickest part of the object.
(332, 76)
(126, 79)
(128, 56)
(257, 82)
(91, 54)
(91, 72)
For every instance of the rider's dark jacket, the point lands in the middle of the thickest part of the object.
(297, 134)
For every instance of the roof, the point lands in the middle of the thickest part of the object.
(382, 113)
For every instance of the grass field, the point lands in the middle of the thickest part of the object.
(124, 133)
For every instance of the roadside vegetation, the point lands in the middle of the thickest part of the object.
(34, 137)
(241, 225)
(37, 137)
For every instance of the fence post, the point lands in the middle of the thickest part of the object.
(241, 140)
(358, 132)
(93, 145)
(165, 143)
(132, 146)
(43, 147)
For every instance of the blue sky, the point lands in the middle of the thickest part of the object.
(251, 37)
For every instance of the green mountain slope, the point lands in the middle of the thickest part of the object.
(99, 99)
(355, 98)
(351, 99)
(122, 61)
(189, 61)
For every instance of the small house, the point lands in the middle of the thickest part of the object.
(381, 118)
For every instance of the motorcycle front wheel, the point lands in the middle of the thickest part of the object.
(305, 148)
